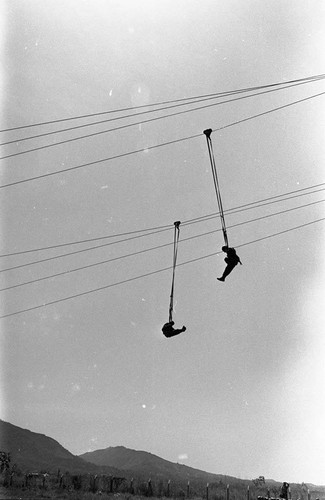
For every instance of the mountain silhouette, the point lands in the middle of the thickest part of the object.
(146, 464)
(32, 451)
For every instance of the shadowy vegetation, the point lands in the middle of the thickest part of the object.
(15, 484)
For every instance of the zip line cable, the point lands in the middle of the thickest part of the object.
(234, 211)
(78, 295)
(159, 229)
(99, 161)
(241, 208)
(154, 248)
(216, 94)
(149, 148)
(15, 141)
(20, 139)
(266, 112)
(153, 230)
(93, 248)
(77, 252)
(149, 120)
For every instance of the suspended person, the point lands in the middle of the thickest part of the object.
(231, 260)
(169, 330)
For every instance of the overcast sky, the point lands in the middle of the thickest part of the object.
(241, 392)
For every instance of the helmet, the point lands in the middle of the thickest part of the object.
(224, 248)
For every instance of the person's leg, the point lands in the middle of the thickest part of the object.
(175, 332)
(227, 271)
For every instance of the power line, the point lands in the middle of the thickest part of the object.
(216, 94)
(133, 124)
(156, 247)
(231, 211)
(78, 295)
(148, 148)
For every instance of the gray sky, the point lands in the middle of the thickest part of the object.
(241, 392)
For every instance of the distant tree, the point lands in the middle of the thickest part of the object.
(76, 481)
(142, 489)
(259, 481)
(160, 489)
(4, 461)
(181, 493)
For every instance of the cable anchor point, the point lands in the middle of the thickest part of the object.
(208, 132)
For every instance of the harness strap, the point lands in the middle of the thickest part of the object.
(176, 240)
(216, 184)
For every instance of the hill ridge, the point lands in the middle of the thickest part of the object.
(140, 461)
(33, 451)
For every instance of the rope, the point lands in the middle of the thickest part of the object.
(176, 240)
(216, 183)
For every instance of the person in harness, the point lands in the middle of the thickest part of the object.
(169, 331)
(231, 260)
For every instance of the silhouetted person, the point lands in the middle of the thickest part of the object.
(169, 331)
(232, 260)
(284, 491)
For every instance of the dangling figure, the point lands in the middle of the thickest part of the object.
(231, 260)
(169, 331)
